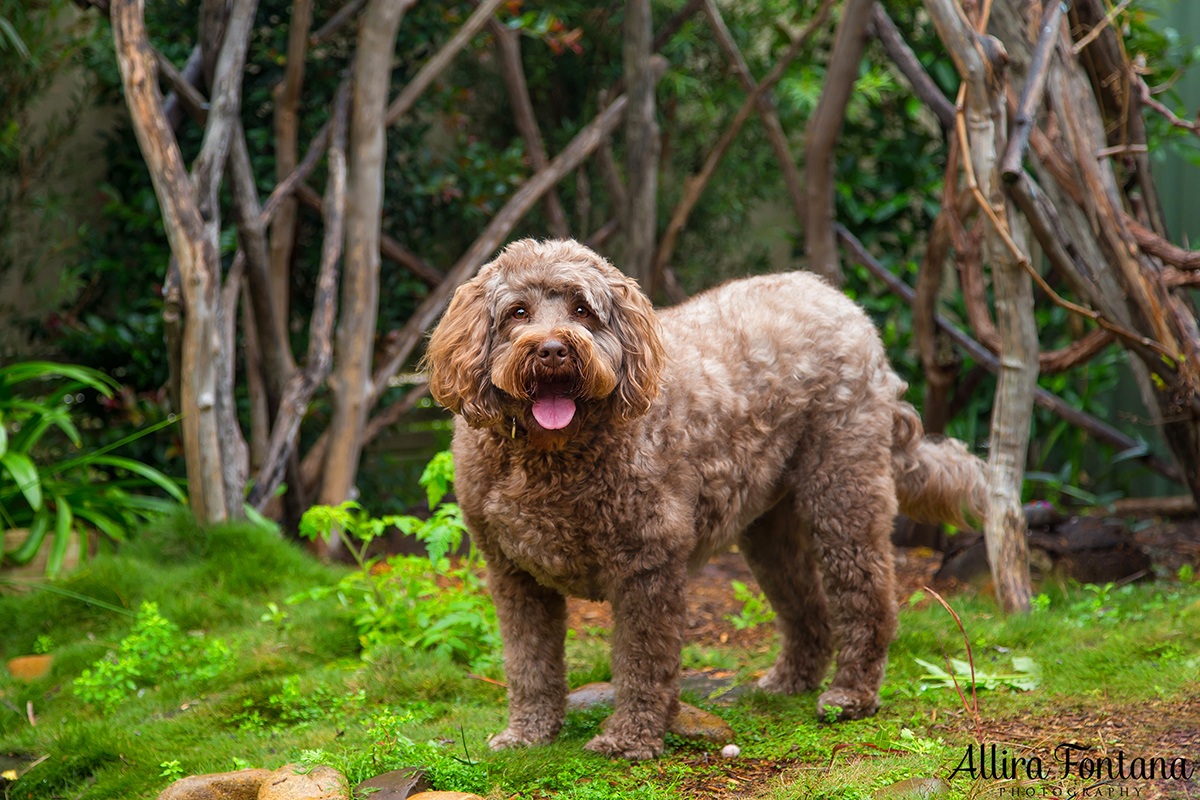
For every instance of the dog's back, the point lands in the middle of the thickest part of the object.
(761, 364)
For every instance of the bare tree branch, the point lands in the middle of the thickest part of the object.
(822, 134)
(1098, 428)
(508, 42)
(695, 185)
(440, 60)
(897, 49)
(766, 111)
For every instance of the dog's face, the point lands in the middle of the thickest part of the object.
(549, 337)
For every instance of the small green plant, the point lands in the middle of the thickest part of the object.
(41, 491)
(423, 603)
(1024, 677)
(1186, 574)
(755, 609)
(154, 652)
(293, 706)
(171, 770)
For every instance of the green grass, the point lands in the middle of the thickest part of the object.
(296, 687)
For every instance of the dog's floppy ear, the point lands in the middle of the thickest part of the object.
(638, 379)
(459, 355)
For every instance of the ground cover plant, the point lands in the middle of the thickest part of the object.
(1110, 666)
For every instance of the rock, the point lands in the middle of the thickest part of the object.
(444, 796)
(399, 784)
(913, 789)
(707, 683)
(30, 668)
(293, 782)
(240, 785)
(590, 695)
(691, 722)
(700, 726)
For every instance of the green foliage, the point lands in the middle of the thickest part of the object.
(293, 704)
(755, 609)
(1024, 675)
(42, 44)
(42, 490)
(423, 603)
(155, 651)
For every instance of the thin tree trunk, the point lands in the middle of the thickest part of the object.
(981, 62)
(191, 222)
(351, 379)
(287, 146)
(824, 129)
(641, 145)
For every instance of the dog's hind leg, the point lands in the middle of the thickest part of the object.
(781, 555)
(851, 501)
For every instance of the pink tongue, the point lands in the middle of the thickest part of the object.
(554, 412)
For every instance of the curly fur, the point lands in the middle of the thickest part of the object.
(762, 413)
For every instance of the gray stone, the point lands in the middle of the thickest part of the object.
(399, 784)
(241, 785)
(913, 789)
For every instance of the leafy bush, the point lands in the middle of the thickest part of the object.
(155, 651)
(39, 487)
(755, 610)
(423, 603)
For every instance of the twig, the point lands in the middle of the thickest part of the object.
(1032, 94)
(1146, 99)
(1094, 32)
(439, 61)
(1001, 228)
(1047, 400)
(973, 706)
(906, 61)
(696, 184)
(487, 680)
(340, 18)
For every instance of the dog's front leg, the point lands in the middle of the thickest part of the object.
(533, 624)
(648, 616)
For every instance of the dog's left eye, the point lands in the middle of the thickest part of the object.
(582, 312)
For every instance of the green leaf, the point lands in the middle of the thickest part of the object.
(29, 370)
(33, 542)
(26, 476)
(62, 536)
(149, 473)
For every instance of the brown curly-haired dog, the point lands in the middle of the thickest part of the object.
(602, 450)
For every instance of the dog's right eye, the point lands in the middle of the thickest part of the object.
(519, 313)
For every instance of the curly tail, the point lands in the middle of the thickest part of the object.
(937, 479)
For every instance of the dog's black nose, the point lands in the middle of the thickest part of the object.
(553, 353)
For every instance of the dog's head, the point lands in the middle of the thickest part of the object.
(549, 336)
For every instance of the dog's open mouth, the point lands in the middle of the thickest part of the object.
(553, 407)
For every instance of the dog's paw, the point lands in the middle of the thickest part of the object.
(839, 705)
(615, 746)
(784, 681)
(509, 738)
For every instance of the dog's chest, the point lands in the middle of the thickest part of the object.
(554, 545)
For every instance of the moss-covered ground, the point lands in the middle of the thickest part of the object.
(1113, 669)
